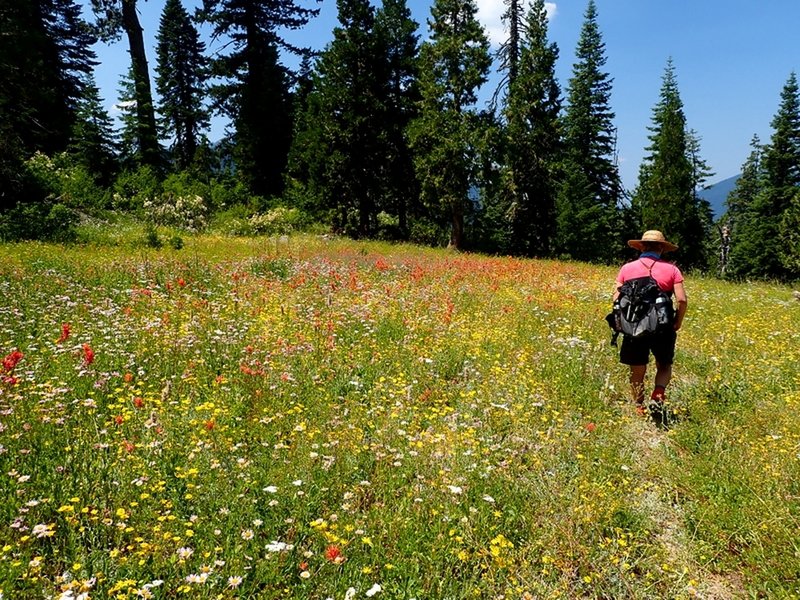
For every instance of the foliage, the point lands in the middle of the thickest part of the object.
(256, 91)
(666, 195)
(533, 145)
(114, 17)
(182, 72)
(134, 187)
(181, 211)
(760, 246)
(446, 137)
(92, 143)
(45, 220)
(591, 191)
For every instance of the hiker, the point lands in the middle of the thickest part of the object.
(635, 351)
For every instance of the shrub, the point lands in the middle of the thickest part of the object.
(44, 220)
(133, 188)
(184, 212)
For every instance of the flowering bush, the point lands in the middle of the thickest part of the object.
(184, 212)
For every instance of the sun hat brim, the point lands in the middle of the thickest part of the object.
(653, 237)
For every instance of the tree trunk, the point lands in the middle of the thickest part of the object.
(457, 228)
(145, 115)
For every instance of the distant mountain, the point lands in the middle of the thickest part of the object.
(717, 194)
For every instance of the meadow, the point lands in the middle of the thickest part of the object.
(317, 418)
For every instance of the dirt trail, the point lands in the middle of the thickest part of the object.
(649, 444)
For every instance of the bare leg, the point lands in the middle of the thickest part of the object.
(663, 374)
(637, 382)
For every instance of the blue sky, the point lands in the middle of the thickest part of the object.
(731, 57)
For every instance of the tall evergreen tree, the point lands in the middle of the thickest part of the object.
(256, 91)
(446, 137)
(114, 17)
(533, 143)
(758, 245)
(182, 71)
(92, 142)
(45, 52)
(510, 50)
(398, 44)
(129, 140)
(589, 199)
(665, 197)
(348, 94)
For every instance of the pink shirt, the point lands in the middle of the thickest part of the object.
(666, 274)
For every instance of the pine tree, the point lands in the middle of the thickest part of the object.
(398, 45)
(588, 213)
(182, 71)
(533, 144)
(740, 214)
(129, 140)
(92, 142)
(344, 140)
(256, 94)
(44, 54)
(510, 50)
(666, 198)
(114, 17)
(759, 242)
(446, 137)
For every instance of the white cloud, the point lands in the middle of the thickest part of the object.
(490, 13)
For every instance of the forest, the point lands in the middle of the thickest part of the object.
(377, 136)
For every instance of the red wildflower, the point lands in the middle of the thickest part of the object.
(119, 420)
(88, 354)
(590, 427)
(129, 446)
(181, 282)
(209, 425)
(66, 329)
(334, 554)
(10, 380)
(128, 377)
(11, 360)
(138, 402)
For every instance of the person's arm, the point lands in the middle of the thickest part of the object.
(680, 298)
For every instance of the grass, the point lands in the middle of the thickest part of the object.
(250, 418)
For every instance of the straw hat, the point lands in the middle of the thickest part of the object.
(653, 236)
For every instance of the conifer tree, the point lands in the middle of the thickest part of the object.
(182, 71)
(446, 137)
(255, 93)
(114, 17)
(666, 198)
(129, 141)
(533, 144)
(398, 44)
(589, 199)
(92, 142)
(45, 52)
(759, 243)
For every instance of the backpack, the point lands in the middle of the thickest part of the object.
(642, 308)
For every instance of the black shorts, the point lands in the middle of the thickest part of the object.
(636, 351)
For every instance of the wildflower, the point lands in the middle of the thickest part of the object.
(12, 359)
(234, 581)
(184, 553)
(334, 554)
(454, 489)
(138, 402)
(271, 489)
(305, 575)
(88, 355)
(590, 427)
(373, 590)
(247, 534)
(42, 531)
(350, 593)
(65, 331)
